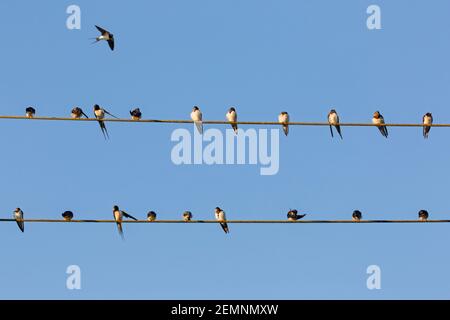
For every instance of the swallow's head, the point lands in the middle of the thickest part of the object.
(428, 114)
(217, 209)
(376, 114)
(283, 113)
(332, 111)
(195, 108)
(17, 210)
(115, 208)
(96, 107)
(232, 109)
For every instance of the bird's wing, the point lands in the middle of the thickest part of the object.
(102, 31)
(110, 114)
(128, 215)
(111, 43)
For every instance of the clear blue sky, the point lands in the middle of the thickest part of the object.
(263, 57)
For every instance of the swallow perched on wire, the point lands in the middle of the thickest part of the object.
(136, 114)
(379, 120)
(118, 217)
(221, 217)
(105, 35)
(67, 215)
(423, 215)
(293, 216)
(187, 216)
(196, 116)
(232, 117)
(151, 216)
(356, 216)
(427, 120)
(30, 112)
(18, 216)
(77, 112)
(100, 114)
(283, 118)
(333, 120)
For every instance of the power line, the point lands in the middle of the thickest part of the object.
(294, 123)
(228, 221)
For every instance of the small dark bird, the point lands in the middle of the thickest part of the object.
(293, 216)
(77, 112)
(18, 216)
(232, 117)
(187, 216)
(118, 217)
(105, 35)
(30, 112)
(67, 215)
(151, 216)
(136, 114)
(423, 215)
(333, 120)
(357, 215)
(427, 120)
(283, 118)
(221, 217)
(378, 119)
(100, 114)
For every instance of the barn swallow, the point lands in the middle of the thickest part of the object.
(283, 117)
(196, 116)
(100, 114)
(118, 217)
(378, 119)
(30, 112)
(357, 216)
(67, 215)
(77, 112)
(221, 217)
(105, 35)
(232, 117)
(423, 215)
(18, 215)
(151, 216)
(333, 120)
(187, 216)
(293, 216)
(136, 114)
(427, 119)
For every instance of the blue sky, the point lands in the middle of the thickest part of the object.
(263, 57)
